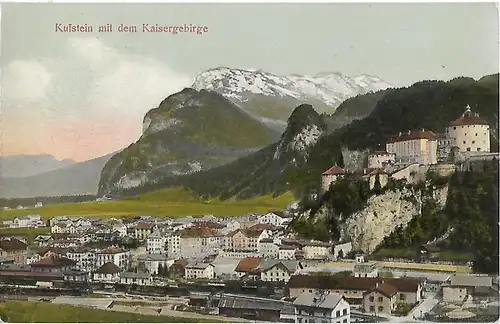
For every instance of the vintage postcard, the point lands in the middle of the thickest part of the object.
(249, 162)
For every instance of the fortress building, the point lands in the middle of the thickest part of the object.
(469, 133)
(418, 146)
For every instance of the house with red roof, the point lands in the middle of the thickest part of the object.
(330, 176)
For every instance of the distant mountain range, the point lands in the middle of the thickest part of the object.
(271, 98)
(18, 166)
(58, 179)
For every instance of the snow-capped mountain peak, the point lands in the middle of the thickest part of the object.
(330, 88)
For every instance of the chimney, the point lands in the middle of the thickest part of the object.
(423, 129)
(409, 132)
(399, 133)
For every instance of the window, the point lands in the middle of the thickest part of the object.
(465, 134)
(478, 149)
(476, 134)
(337, 313)
(402, 297)
(380, 299)
(371, 298)
(465, 142)
(473, 142)
(381, 308)
(468, 149)
(455, 127)
(345, 320)
(372, 308)
(344, 312)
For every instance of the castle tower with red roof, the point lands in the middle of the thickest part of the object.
(469, 132)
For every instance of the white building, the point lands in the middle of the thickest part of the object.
(317, 250)
(107, 273)
(173, 244)
(85, 258)
(152, 262)
(132, 278)
(200, 271)
(321, 308)
(268, 249)
(380, 159)
(287, 252)
(156, 243)
(115, 255)
(27, 221)
(469, 133)
(278, 270)
(364, 269)
(414, 147)
(274, 218)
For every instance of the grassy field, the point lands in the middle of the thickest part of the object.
(426, 267)
(27, 232)
(31, 312)
(168, 202)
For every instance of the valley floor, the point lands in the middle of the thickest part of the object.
(167, 203)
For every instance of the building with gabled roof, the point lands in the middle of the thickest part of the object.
(14, 249)
(322, 307)
(200, 270)
(382, 299)
(353, 288)
(108, 272)
(53, 263)
(330, 176)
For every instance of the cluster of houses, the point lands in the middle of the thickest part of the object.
(195, 248)
(250, 248)
(465, 140)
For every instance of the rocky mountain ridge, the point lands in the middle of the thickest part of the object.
(271, 98)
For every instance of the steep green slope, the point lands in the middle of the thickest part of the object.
(189, 131)
(355, 108)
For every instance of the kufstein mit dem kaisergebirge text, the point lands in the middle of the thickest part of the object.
(127, 28)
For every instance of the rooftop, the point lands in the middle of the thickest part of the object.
(469, 118)
(324, 300)
(413, 135)
(334, 170)
(352, 283)
(108, 268)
